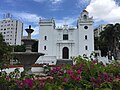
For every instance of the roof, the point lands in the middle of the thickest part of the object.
(85, 11)
(60, 62)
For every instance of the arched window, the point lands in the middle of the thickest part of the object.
(44, 47)
(86, 47)
(45, 38)
(65, 53)
(85, 37)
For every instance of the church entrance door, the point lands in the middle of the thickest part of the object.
(65, 53)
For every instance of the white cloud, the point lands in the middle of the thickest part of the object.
(54, 5)
(56, 1)
(82, 3)
(36, 30)
(27, 17)
(66, 20)
(35, 33)
(52, 1)
(107, 10)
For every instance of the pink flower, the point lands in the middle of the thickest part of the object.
(91, 67)
(81, 65)
(58, 68)
(65, 79)
(94, 61)
(93, 79)
(7, 78)
(74, 66)
(69, 71)
(5, 65)
(73, 77)
(96, 82)
(29, 83)
(119, 65)
(117, 77)
(20, 84)
(42, 84)
(79, 71)
(54, 69)
(78, 77)
(105, 74)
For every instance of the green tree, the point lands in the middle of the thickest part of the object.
(19, 48)
(101, 45)
(5, 52)
(109, 38)
(106, 36)
(35, 47)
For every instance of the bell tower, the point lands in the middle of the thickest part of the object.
(86, 34)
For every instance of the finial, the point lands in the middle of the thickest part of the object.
(29, 26)
(29, 31)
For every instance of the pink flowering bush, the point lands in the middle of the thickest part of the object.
(84, 75)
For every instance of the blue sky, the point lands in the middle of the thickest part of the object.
(29, 11)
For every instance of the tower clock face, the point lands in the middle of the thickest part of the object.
(85, 27)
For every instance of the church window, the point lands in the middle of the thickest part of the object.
(86, 47)
(44, 47)
(45, 38)
(85, 16)
(85, 37)
(65, 36)
(85, 27)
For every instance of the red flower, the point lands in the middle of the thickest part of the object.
(74, 66)
(94, 61)
(20, 84)
(29, 83)
(42, 84)
(78, 77)
(79, 71)
(65, 79)
(69, 71)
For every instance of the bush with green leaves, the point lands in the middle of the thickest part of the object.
(5, 53)
(84, 75)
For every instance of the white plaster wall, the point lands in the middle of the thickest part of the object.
(11, 26)
(46, 59)
(46, 31)
(76, 41)
(55, 43)
(19, 32)
(90, 39)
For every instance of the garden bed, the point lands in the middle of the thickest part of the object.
(84, 75)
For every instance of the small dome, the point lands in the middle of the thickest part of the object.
(85, 11)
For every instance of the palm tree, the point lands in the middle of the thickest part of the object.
(116, 36)
(110, 36)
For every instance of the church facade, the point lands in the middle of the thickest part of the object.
(62, 43)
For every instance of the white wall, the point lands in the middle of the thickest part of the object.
(11, 30)
(19, 33)
(76, 42)
(82, 32)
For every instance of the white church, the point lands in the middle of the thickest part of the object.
(62, 43)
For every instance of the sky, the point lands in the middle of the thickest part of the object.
(30, 11)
